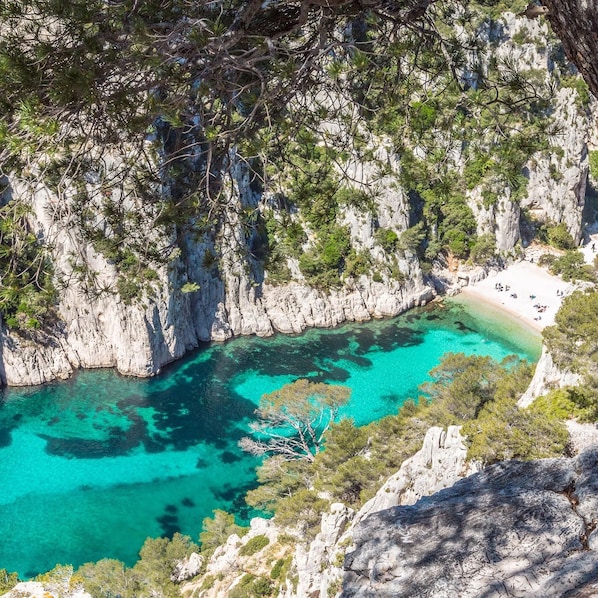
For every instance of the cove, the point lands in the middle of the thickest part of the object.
(92, 466)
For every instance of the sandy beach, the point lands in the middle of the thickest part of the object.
(525, 286)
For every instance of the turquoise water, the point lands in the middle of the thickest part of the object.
(92, 466)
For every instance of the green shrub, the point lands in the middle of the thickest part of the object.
(423, 116)
(251, 586)
(217, 529)
(562, 403)
(558, 236)
(358, 263)
(523, 36)
(189, 287)
(8, 580)
(355, 198)
(323, 265)
(27, 292)
(303, 509)
(572, 266)
(281, 568)
(575, 82)
(107, 577)
(413, 237)
(387, 239)
(504, 431)
(476, 169)
(129, 289)
(547, 259)
(572, 340)
(593, 162)
(254, 545)
(484, 249)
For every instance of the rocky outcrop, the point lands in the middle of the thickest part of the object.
(228, 292)
(187, 568)
(438, 464)
(316, 566)
(557, 182)
(516, 529)
(547, 377)
(233, 560)
(556, 179)
(138, 337)
(37, 589)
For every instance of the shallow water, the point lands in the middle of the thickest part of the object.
(92, 466)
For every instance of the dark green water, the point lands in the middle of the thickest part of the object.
(92, 466)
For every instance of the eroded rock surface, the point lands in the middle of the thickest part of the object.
(514, 529)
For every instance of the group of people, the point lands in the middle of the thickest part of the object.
(539, 308)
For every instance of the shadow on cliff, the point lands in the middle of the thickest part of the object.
(513, 529)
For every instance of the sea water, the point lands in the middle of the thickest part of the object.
(92, 466)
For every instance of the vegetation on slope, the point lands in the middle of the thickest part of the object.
(473, 391)
(135, 117)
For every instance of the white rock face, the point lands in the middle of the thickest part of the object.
(547, 377)
(235, 297)
(140, 337)
(438, 464)
(557, 184)
(36, 589)
(441, 461)
(187, 568)
(556, 180)
(227, 566)
(316, 564)
(514, 529)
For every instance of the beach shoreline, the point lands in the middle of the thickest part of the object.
(523, 290)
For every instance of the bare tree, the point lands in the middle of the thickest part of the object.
(292, 421)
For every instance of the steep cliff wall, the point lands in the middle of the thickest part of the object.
(438, 528)
(316, 567)
(556, 177)
(231, 297)
(213, 283)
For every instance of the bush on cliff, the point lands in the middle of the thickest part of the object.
(572, 340)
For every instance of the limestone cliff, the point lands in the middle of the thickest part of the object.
(556, 178)
(547, 377)
(440, 528)
(212, 284)
(231, 298)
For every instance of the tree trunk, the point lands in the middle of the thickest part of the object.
(575, 22)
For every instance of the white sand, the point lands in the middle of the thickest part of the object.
(524, 279)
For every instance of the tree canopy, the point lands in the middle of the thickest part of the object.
(82, 72)
(137, 116)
